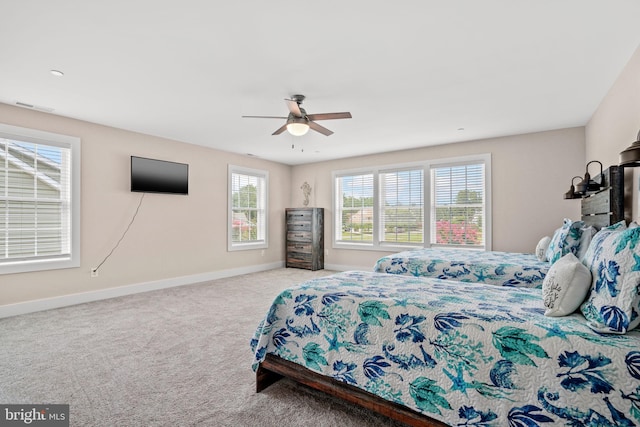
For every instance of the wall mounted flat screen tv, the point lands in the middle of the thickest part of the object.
(159, 176)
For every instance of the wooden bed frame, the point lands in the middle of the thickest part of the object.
(600, 209)
(274, 368)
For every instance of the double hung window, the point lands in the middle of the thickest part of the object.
(432, 203)
(247, 226)
(458, 208)
(39, 200)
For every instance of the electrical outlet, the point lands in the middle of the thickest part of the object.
(262, 253)
(326, 252)
(94, 272)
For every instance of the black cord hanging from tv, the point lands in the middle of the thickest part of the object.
(123, 234)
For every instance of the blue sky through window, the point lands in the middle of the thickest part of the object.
(52, 153)
(404, 188)
(449, 181)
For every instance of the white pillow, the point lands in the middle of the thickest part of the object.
(565, 286)
(541, 248)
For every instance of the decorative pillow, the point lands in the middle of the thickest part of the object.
(598, 238)
(566, 239)
(565, 286)
(541, 248)
(585, 240)
(614, 303)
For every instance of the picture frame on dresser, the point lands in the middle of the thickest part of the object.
(305, 238)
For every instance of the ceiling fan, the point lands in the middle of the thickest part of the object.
(299, 122)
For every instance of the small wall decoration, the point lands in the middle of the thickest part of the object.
(306, 190)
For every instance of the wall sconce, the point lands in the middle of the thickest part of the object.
(587, 184)
(571, 194)
(631, 155)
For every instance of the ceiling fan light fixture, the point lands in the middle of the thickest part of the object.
(298, 121)
(297, 128)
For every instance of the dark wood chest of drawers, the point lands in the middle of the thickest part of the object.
(305, 238)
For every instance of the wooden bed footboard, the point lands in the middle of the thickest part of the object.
(273, 368)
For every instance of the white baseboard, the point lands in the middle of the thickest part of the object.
(80, 298)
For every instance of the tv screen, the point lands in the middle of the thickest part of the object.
(159, 176)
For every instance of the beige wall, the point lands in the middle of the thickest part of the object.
(178, 236)
(530, 174)
(615, 124)
(172, 236)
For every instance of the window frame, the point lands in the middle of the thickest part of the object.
(74, 145)
(376, 244)
(337, 222)
(462, 161)
(381, 209)
(251, 244)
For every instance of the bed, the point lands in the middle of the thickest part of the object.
(428, 351)
(496, 268)
(600, 209)
(455, 349)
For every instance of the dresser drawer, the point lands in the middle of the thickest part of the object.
(299, 256)
(298, 236)
(303, 247)
(301, 215)
(299, 225)
(300, 260)
(296, 263)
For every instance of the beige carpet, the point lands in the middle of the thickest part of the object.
(176, 357)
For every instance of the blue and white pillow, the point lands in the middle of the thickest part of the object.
(614, 261)
(565, 239)
(585, 240)
(598, 238)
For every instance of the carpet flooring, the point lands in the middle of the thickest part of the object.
(174, 357)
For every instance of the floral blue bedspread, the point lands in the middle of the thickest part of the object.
(497, 268)
(461, 353)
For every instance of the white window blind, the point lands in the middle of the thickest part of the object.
(35, 202)
(442, 202)
(248, 208)
(402, 206)
(39, 203)
(354, 208)
(458, 205)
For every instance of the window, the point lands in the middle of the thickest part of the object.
(458, 205)
(402, 206)
(432, 203)
(39, 200)
(356, 208)
(247, 226)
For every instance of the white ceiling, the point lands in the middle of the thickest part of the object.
(411, 72)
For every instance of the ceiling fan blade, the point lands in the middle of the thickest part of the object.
(293, 106)
(329, 116)
(263, 117)
(323, 130)
(280, 129)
